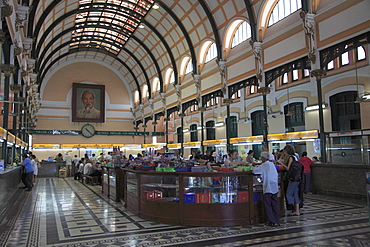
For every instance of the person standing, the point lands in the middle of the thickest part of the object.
(28, 172)
(59, 160)
(93, 159)
(75, 164)
(80, 170)
(270, 188)
(292, 192)
(68, 159)
(306, 162)
(35, 163)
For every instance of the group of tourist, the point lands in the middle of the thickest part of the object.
(90, 166)
(295, 186)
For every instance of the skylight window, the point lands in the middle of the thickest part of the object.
(107, 24)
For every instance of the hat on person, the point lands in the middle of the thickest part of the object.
(265, 155)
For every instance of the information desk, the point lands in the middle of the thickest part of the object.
(112, 182)
(196, 198)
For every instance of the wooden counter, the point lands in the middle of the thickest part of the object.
(196, 198)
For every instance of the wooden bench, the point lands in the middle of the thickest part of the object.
(92, 179)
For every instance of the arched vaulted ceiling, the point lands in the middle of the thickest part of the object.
(108, 31)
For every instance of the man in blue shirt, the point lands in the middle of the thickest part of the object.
(270, 188)
(28, 172)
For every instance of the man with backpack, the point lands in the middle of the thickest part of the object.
(295, 170)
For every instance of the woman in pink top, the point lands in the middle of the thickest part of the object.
(306, 162)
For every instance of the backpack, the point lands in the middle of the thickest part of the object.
(295, 171)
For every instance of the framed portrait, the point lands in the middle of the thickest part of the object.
(88, 103)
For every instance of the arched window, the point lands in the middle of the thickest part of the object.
(295, 75)
(155, 86)
(285, 79)
(189, 67)
(344, 58)
(345, 111)
(237, 95)
(294, 116)
(172, 78)
(168, 76)
(211, 53)
(361, 54)
(136, 96)
(282, 9)
(242, 34)
(145, 92)
(257, 122)
(233, 126)
(186, 66)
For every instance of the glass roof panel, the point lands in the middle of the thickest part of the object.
(107, 24)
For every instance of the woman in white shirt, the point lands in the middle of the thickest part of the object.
(35, 163)
(233, 159)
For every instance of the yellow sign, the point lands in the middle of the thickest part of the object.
(2, 133)
(158, 145)
(307, 134)
(174, 145)
(246, 139)
(11, 138)
(70, 146)
(215, 142)
(104, 145)
(132, 146)
(191, 144)
(49, 146)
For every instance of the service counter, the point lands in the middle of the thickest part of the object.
(10, 179)
(196, 198)
(49, 169)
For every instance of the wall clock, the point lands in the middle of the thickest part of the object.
(87, 130)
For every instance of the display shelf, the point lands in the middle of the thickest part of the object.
(105, 181)
(110, 182)
(195, 198)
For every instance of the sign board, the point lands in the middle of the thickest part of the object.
(108, 133)
(215, 142)
(174, 145)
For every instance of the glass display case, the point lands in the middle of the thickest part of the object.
(131, 192)
(215, 189)
(105, 180)
(195, 198)
(110, 182)
(161, 188)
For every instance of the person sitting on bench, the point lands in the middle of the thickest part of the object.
(92, 171)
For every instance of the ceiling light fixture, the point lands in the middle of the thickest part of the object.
(155, 6)
(141, 26)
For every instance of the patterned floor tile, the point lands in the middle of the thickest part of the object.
(65, 212)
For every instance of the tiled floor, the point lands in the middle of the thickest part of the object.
(64, 212)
